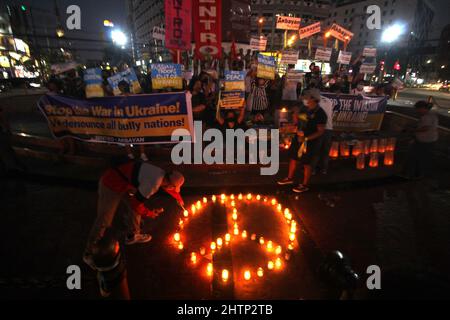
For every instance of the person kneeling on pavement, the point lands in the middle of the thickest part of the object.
(306, 145)
(131, 183)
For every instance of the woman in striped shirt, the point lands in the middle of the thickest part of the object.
(260, 101)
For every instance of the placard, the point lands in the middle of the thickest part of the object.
(323, 54)
(166, 75)
(258, 43)
(340, 33)
(367, 68)
(266, 67)
(344, 57)
(310, 30)
(289, 56)
(288, 23)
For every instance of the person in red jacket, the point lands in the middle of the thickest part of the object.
(132, 183)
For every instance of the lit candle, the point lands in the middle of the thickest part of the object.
(258, 197)
(247, 275)
(213, 246)
(227, 237)
(202, 251)
(219, 242)
(249, 196)
(287, 256)
(290, 246)
(186, 213)
(240, 196)
(222, 196)
(225, 275)
(193, 257)
(288, 216)
(209, 269)
(270, 265)
(176, 237)
(260, 272)
(205, 200)
(278, 263)
(180, 223)
(233, 203)
(234, 216)
(265, 199)
(269, 245)
(274, 201)
(213, 198)
(199, 205)
(293, 227)
(278, 250)
(236, 231)
(244, 234)
(253, 237)
(180, 245)
(193, 209)
(261, 240)
(232, 197)
(279, 207)
(292, 236)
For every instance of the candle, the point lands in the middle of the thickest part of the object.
(258, 197)
(344, 149)
(193, 257)
(388, 158)
(373, 162)
(180, 223)
(193, 209)
(287, 256)
(357, 148)
(213, 198)
(290, 246)
(278, 263)
(180, 245)
(176, 237)
(202, 251)
(227, 237)
(233, 203)
(234, 216)
(244, 234)
(186, 213)
(219, 242)
(292, 236)
(270, 265)
(260, 272)
(279, 207)
(222, 196)
(236, 231)
(274, 202)
(209, 269)
(253, 237)
(247, 275)
(261, 240)
(278, 250)
(334, 150)
(240, 196)
(249, 196)
(293, 227)
(213, 246)
(382, 145)
(225, 275)
(199, 205)
(361, 161)
(269, 245)
(232, 197)
(205, 200)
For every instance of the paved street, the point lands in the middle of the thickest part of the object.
(409, 96)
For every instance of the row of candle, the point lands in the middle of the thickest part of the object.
(388, 160)
(366, 147)
(270, 246)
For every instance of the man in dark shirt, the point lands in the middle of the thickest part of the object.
(306, 144)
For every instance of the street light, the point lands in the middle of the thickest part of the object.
(260, 25)
(392, 33)
(119, 38)
(60, 32)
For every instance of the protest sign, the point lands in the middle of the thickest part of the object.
(178, 14)
(294, 76)
(340, 33)
(266, 67)
(166, 75)
(129, 76)
(94, 83)
(367, 68)
(357, 113)
(231, 99)
(323, 54)
(288, 23)
(135, 119)
(258, 43)
(158, 33)
(344, 57)
(369, 52)
(59, 68)
(234, 80)
(289, 56)
(309, 31)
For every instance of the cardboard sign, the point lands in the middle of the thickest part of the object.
(369, 52)
(231, 99)
(266, 67)
(94, 83)
(310, 30)
(323, 54)
(130, 77)
(59, 68)
(340, 33)
(158, 33)
(288, 23)
(258, 43)
(234, 80)
(344, 57)
(166, 75)
(289, 56)
(367, 68)
(294, 76)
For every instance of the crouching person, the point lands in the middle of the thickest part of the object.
(131, 183)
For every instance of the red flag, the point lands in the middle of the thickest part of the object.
(207, 16)
(233, 50)
(178, 24)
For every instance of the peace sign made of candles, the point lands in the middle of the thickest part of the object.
(276, 254)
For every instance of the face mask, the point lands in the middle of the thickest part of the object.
(305, 102)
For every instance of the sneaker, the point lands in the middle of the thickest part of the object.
(138, 238)
(285, 181)
(300, 188)
(87, 258)
(144, 157)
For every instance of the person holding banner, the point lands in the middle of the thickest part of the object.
(305, 147)
(131, 183)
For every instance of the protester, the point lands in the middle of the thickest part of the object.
(131, 184)
(425, 136)
(306, 144)
(260, 101)
(322, 158)
(198, 99)
(231, 120)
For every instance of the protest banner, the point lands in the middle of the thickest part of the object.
(158, 33)
(178, 15)
(294, 76)
(130, 77)
(258, 43)
(135, 119)
(234, 80)
(367, 68)
(288, 23)
(309, 31)
(289, 56)
(59, 68)
(369, 52)
(231, 99)
(357, 113)
(323, 54)
(344, 57)
(207, 17)
(166, 75)
(94, 83)
(266, 67)
(340, 33)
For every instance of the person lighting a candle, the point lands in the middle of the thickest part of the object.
(310, 129)
(131, 183)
